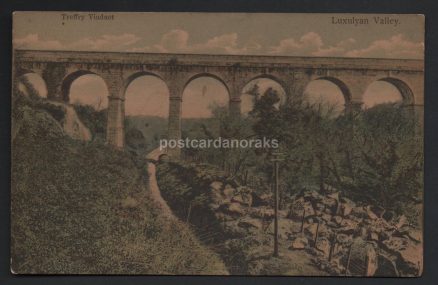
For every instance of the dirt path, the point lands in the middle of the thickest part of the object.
(153, 186)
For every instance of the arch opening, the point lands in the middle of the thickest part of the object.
(205, 100)
(202, 95)
(328, 94)
(146, 109)
(32, 84)
(387, 90)
(85, 88)
(258, 87)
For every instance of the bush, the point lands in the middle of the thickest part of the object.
(69, 212)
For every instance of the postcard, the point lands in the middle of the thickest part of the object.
(217, 144)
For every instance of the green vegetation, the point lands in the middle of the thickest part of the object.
(373, 156)
(84, 208)
(94, 120)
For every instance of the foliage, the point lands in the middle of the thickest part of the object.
(94, 120)
(84, 208)
(374, 156)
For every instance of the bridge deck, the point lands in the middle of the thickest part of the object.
(219, 60)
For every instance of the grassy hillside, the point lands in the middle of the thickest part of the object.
(84, 208)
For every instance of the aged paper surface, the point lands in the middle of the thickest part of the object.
(217, 144)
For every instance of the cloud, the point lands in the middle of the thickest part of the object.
(33, 41)
(178, 41)
(395, 47)
(310, 44)
(307, 43)
(104, 42)
(337, 50)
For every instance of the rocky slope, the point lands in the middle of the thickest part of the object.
(336, 235)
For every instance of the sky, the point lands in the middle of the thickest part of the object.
(398, 36)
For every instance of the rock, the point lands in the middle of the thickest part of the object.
(348, 227)
(285, 228)
(260, 200)
(234, 209)
(388, 216)
(359, 212)
(319, 207)
(309, 211)
(216, 185)
(299, 243)
(383, 235)
(378, 211)
(228, 192)
(310, 230)
(262, 212)
(334, 196)
(326, 217)
(311, 196)
(373, 236)
(323, 245)
(330, 203)
(409, 255)
(415, 235)
(249, 223)
(337, 219)
(363, 259)
(344, 239)
(346, 207)
(401, 221)
(242, 198)
(371, 215)
(296, 209)
(387, 267)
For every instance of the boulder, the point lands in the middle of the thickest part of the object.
(374, 236)
(323, 245)
(260, 200)
(216, 185)
(348, 227)
(345, 209)
(344, 239)
(299, 243)
(229, 192)
(409, 255)
(330, 203)
(234, 209)
(378, 211)
(326, 217)
(401, 221)
(250, 223)
(309, 210)
(370, 214)
(359, 212)
(261, 212)
(337, 219)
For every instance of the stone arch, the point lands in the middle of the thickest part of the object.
(70, 78)
(340, 84)
(209, 75)
(404, 89)
(272, 77)
(264, 82)
(138, 74)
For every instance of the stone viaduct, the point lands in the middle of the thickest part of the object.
(352, 75)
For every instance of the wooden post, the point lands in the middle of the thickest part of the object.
(302, 220)
(276, 159)
(316, 234)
